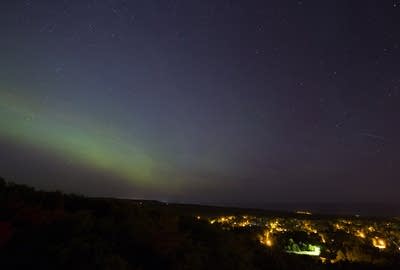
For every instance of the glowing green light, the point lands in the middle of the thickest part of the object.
(312, 251)
(90, 145)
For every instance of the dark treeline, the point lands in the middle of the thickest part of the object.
(52, 230)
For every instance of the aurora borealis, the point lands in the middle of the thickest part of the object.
(224, 102)
(96, 148)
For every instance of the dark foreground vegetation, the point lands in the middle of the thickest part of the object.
(52, 230)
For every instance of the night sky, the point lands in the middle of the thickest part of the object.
(221, 102)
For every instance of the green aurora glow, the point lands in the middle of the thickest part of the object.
(96, 148)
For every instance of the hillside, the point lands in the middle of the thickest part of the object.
(52, 230)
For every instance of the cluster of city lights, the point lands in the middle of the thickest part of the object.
(384, 236)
